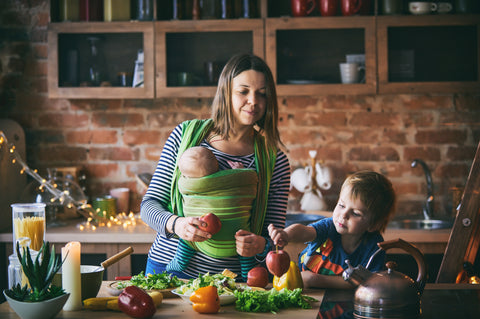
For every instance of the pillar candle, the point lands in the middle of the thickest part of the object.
(71, 276)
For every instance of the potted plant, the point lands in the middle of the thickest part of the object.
(39, 298)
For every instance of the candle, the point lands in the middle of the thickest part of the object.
(71, 276)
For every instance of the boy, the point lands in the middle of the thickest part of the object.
(365, 205)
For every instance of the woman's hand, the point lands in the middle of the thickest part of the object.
(187, 229)
(279, 236)
(249, 244)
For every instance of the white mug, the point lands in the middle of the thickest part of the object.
(350, 72)
(422, 7)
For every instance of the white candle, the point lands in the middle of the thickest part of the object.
(71, 276)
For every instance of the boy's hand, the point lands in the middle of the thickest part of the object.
(279, 236)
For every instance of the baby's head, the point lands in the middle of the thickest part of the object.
(197, 161)
(376, 192)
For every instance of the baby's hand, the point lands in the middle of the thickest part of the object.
(279, 236)
(234, 165)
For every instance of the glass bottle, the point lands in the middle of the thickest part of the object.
(144, 10)
(94, 60)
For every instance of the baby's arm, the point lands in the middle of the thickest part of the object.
(234, 165)
(313, 280)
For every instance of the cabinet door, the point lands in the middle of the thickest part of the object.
(118, 44)
(183, 48)
(428, 54)
(305, 53)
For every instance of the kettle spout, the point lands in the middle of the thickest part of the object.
(356, 275)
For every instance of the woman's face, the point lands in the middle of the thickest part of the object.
(248, 97)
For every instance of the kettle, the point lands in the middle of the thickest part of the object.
(387, 294)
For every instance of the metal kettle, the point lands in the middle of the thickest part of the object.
(387, 294)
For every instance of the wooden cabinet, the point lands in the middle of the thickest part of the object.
(118, 47)
(403, 53)
(304, 53)
(184, 47)
(428, 54)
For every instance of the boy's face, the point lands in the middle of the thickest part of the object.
(350, 215)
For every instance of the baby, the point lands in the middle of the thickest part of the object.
(205, 189)
(199, 161)
(365, 205)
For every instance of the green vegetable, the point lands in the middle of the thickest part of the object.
(225, 285)
(162, 280)
(271, 300)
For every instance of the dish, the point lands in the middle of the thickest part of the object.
(113, 290)
(224, 299)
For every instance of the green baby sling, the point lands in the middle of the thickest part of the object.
(237, 196)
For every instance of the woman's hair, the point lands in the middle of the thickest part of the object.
(222, 113)
(376, 193)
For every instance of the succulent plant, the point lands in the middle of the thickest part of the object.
(40, 273)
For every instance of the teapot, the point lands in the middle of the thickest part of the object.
(387, 294)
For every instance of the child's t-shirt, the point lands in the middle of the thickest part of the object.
(325, 255)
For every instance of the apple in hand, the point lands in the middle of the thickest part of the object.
(213, 223)
(278, 262)
(257, 277)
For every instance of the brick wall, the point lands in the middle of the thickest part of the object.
(116, 139)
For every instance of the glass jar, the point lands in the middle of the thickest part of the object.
(116, 10)
(69, 10)
(144, 10)
(28, 225)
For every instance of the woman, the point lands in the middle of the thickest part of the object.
(243, 128)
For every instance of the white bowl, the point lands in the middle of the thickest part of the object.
(37, 310)
(224, 299)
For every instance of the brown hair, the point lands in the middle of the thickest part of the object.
(376, 193)
(222, 113)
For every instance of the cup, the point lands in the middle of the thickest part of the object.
(29, 225)
(185, 79)
(328, 8)
(444, 7)
(302, 8)
(122, 196)
(351, 7)
(418, 8)
(391, 7)
(350, 72)
(105, 206)
(466, 6)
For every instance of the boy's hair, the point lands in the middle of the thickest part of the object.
(376, 193)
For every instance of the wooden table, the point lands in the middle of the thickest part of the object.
(177, 308)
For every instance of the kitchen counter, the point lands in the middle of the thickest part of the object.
(111, 240)
(438, 301)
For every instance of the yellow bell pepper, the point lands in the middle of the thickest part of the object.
(205, 300)
(291, 279)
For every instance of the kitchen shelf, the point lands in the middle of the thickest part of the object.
(120, 43)
(428, 54)
(307, 51)
(185, 46)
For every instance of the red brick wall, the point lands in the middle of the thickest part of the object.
(116, 139)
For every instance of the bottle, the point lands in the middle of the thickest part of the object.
(144, 10)
(91, 10)
(196, 14)
(95, 73)
(69, 10)
(116, 10)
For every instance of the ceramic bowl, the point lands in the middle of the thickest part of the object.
(37, 310)
(91, 280)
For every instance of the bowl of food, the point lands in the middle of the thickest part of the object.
(224, 298)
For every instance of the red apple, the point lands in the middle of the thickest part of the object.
(278, 262)
(213, 223)
(257, 277)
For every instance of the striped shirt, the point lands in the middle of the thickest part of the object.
(154, 205)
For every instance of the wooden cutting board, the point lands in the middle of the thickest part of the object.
(12, 183)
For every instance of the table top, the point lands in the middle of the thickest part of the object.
(177, 308)
(438, 301)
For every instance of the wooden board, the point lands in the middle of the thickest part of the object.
(464, 239)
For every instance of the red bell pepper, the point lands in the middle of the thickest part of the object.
(136, 303)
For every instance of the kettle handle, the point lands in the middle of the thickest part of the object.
(415, 252)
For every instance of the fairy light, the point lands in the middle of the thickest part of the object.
(94, 218)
